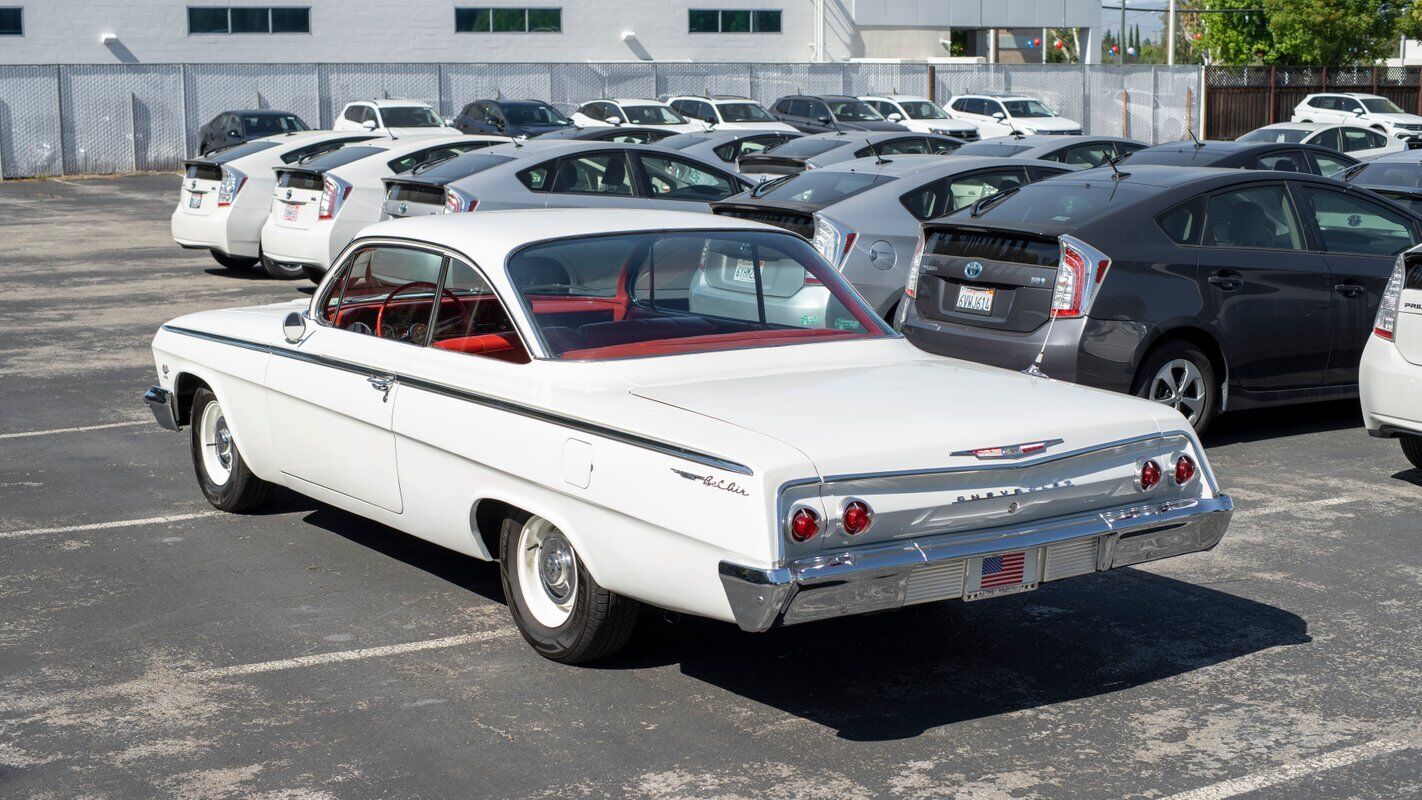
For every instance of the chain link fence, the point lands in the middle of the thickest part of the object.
(77, 119)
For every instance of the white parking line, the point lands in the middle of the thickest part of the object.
(348, 655)
(81, 429)
(1309, 766)
(98, 526)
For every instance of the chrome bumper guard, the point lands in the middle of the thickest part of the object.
(164, 405)
(881, 577)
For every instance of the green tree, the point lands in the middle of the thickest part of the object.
(1239, 35)
(1333, 32)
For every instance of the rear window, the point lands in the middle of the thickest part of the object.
(823, 188)
(312, 150)
(991, 149)
(1175, 156)
(231, 153)
(681, 141)
(744, 112)
(1059, 203)
(1289, 135)
(339, 158)
(461, 167)
(806, 148)
(1405, 199)
(1384, 173)
(410, 117)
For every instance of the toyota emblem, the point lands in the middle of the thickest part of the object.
(288, 194)
(973, 269)
(404, 207)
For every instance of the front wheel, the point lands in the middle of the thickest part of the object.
(560, 610)
(1180, 376)
(1412, 448)
(222, 474)
(234, 263)
(283, 272)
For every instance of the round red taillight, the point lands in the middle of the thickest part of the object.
(857, 517)
(1150, 474)
(1184, 470)
(804, 524)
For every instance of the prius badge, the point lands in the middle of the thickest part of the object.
(1010, 450)
(973, 269)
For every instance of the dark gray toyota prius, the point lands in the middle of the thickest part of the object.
(1199, 288)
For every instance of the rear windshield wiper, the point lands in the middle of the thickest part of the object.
(991, 200)
(428, 165)
(763, 185)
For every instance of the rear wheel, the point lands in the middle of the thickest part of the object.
(1178, 375)
(283, 272)
(221, 472)
(558, 607)
(1412, 448)
(234, 263)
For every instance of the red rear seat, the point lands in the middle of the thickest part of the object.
(495, 345)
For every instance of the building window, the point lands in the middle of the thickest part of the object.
(204, 19)
(508, 20)
(733, 21)
(12, 22)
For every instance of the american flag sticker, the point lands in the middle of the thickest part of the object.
(1002, 570)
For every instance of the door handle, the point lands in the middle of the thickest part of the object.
(1225, 282)
(382, 383)
(1348, 289)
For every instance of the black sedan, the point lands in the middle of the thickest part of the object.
(1281, 157)
(236, 127)
(1193, 287)
(511, 118)
(1396, 176)
(830, 113)
(626, 134)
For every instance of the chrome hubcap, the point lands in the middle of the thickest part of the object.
(555, 567)
(218, 449)
(547, 572)
(1180, 385)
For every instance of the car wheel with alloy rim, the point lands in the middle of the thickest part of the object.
(282, 272)
(1178, 375)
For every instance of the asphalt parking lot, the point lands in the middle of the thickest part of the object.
(152, 647)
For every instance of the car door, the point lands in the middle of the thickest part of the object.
(1269, 296)
(600, 178)
(678, 184)
(1360, 240)
(330, 396)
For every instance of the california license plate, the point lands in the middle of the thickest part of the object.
(1004, 573)
(289, 213)
(745, 273)
(975, 300)
(195, 200)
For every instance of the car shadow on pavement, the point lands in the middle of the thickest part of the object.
(897, 675)
(1239, 427)
(253, 274)
(1412, 476)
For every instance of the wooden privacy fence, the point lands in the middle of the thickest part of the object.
(1240, 99)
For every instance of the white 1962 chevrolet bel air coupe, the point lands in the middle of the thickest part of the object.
(615, 406)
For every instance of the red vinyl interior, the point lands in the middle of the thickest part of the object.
(715, 341)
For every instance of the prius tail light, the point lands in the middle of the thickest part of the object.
(1080, 272)
(1385, 323)
(833, 240)
(456, 202)
(334, 192)
(911, 288)
(232, 183)
(803, 524)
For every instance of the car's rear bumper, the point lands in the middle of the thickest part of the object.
(881, 577)
(1389, 390)
(999, 348)
(307, 247)
(233, 230)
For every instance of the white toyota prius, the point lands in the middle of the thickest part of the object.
(608, 402)
(1390, 376)
(227, 194)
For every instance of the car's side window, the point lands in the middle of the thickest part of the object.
(940, 146)
(1350, 224)
(1356, 139)
(408, 162)
(1182, 223)
(594, 173)
(1126, 148)
(1255, 216)
(1375, 139)
(670, 178)
(991, 107)
(1327, 138)
(817, 110)
(913, 145)
(1092, 154)
(950, 194)
(609, 111)
(386, 291)
(470, 318)
(1329, 165)
(353, 113)
(591, 110)
(536, 178)
(1282, 161)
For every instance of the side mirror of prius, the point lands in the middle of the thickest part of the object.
(293, 327)
(368, 124)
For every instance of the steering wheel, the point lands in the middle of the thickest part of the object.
(380, 314)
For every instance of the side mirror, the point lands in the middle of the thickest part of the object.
(449, 121)
(823, 119)
(234, 134)
(368, 124)
(1357, 112)
(614, 120)
(293, 327)
(998, 115)
(896, 117)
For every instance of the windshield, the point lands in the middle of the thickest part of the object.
(269, 124)
(534, 114)
(823, 188)
(1389, 173)
(743, 112)
(854, 111)
(652, 115)
(922, 109)
(460, 167)
(1057, 203)
(1381, 105)
(1027, 108)
(1290, 135)
(991, 148)
(668, 292)
(806, 148)
(410, 117)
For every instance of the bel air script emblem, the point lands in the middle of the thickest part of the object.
(1010, 450)
(713, 482)
(973, 269)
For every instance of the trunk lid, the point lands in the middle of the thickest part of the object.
(794, 217)
(996, 277)
(298, 197)
(768, 164)
(409, 198)
(201, 180)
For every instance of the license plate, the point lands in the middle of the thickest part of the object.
(195, 200)
(975, 300)
(1004, 573)
(288, 213)
(745, 273)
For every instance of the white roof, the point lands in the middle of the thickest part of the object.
(896, 97)
(392, 103)
(1311, 126)
(636, 101)
(1355, 95)
(487, 237)
(992, 96)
